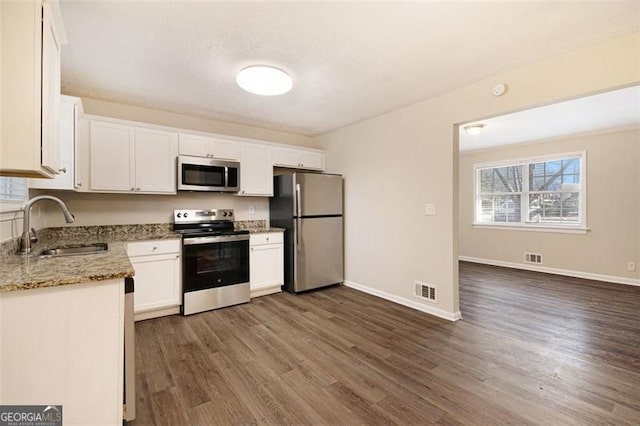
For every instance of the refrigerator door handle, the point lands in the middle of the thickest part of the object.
(299, 218)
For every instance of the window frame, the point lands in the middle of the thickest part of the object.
(12, 206)
(566, 227)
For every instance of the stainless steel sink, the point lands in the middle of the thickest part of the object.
(74, 250)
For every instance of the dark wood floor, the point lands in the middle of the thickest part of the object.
(531, 349)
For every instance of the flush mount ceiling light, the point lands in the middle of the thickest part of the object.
(474, 129)
(264, 80)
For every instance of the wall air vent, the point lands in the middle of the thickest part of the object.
(535, 258)
(425, 291)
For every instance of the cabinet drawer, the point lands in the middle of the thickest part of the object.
(268, 238)
(146, 248)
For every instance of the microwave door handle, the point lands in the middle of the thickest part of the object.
(226, 176)
(299, 218)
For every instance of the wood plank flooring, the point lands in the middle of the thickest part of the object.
(531, 349)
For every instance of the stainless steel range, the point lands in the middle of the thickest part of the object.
(215, 265)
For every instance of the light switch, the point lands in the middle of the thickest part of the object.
(430, 209)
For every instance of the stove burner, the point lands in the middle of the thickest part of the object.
(205, 223)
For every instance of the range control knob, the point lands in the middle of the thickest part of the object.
(186, 214)
(230, 214)
(224, 214)
(179, 215)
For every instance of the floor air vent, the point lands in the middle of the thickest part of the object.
(533, 258)
(426, 291)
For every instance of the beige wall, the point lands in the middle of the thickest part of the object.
(613, 212)
(395, 163)
(163, 118)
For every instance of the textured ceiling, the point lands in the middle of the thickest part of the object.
(349, 60)
(610, 110)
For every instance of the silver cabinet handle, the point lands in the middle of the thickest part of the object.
(63, 170)
(79, 184)
(132, 189)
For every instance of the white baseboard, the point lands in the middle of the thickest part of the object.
(432, 310)
(556, 271)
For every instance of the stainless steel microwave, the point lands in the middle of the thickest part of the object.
(206, 174)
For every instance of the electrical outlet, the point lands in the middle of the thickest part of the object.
(252, 209)
(430, 209)
(631, 266)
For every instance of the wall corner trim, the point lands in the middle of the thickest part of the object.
(451, 316)
(556, 271)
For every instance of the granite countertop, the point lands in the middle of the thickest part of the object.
(256, 226)
(27, 272)
(265, 230)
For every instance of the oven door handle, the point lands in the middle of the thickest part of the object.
(216, 239)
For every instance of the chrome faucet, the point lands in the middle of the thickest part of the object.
(28, 234)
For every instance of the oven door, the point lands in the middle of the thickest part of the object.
(210, 262)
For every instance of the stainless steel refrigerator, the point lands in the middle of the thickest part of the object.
(309, 207)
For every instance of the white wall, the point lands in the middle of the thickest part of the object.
(123, 209)
(396, 162)
(613, 209)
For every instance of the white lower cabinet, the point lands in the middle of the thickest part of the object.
(64, 345)
(157, 279)
(266, 263)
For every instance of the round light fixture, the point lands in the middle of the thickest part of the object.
(474, 129)
(264, 80)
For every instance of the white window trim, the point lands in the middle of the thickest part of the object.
(570, 228)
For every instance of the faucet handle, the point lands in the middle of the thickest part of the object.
(33, 237)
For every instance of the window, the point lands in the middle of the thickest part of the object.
(13, 193)
(544, 192)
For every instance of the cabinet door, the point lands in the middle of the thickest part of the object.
(111, 156)
(155, 161)
(157, 282)
(197, 146)
(266, 266)
(256, 170)
(224, 149)
(312, 160)
(67, 132)
(285, 157)
(50, 91)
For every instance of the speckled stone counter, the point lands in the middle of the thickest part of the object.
(27, 272)
(256, 226)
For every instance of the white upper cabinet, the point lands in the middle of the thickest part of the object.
(205, 146)
(132, 159)
(112, 157)
(30, 88)
(155, 160)
(298, 158)
(256, 170)
(70, 107)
